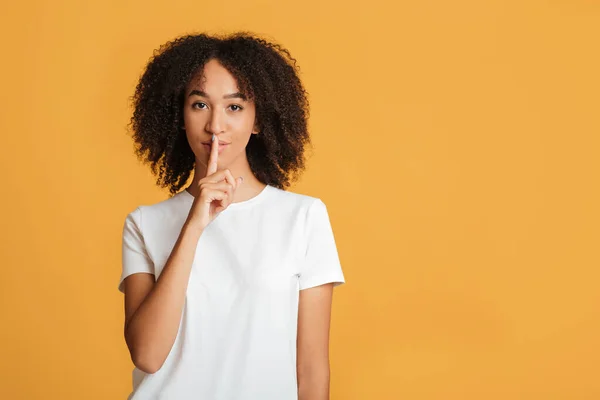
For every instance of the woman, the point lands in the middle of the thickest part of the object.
(228, 283)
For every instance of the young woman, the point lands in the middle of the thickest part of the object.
(228, 283)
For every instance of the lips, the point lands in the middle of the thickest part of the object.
(221, 143)
(220, 148)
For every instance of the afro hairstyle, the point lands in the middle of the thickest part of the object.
(265, 72)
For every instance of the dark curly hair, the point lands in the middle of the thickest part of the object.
(264, 71)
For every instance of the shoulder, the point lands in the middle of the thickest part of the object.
(309, 212)
(155, 213)
(297, 200)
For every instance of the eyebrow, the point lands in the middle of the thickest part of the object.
(237, 95)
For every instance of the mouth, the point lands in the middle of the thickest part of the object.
(208, 146)
(208, 142)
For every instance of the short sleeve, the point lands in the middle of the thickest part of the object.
(321, 261)
(134, 255)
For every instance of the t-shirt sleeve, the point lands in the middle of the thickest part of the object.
(321, 262)
(134, 255)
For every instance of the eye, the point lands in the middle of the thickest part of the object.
(197, 103)
(238, 107)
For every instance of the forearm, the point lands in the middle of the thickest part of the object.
(152, 330)
(313, 384)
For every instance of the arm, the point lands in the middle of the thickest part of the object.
(153, 309)
(314, 315)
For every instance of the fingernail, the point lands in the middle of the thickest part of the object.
(241, 179)
(213, 138)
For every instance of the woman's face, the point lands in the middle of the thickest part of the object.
(214, 105)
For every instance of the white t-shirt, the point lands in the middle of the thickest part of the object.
(237, 335)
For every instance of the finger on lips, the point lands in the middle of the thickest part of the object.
(213, 156)
(212, 166)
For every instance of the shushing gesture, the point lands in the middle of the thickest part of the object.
(216, 190)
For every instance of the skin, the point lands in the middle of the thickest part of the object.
(232, 120)
(312, 358)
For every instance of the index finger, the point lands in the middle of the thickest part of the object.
(213, 157)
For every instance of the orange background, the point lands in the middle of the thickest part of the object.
(469, 234)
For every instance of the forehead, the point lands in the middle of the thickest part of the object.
(214, 78)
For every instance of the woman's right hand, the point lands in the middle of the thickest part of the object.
(216, 190)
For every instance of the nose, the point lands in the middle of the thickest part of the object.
(215, 123)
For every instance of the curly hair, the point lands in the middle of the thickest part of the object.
(264, 70)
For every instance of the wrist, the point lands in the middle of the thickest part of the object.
(193, 225)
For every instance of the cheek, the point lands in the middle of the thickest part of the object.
(188, 116)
